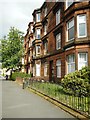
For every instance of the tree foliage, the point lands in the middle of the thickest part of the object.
(12, 48)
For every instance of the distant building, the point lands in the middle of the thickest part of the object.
(58, 40)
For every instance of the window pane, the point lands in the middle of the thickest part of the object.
(58, 41)
(58, 62)
(58, 17)
(37, 49)
(82, 29)
(70, 29)
(45, 11)
(71, 24)
(58, 66)
(82, 60)
(58, 71)
(45, 69)
(38, 17)
(71, 33)
(82, 18)
(38, 34)
(71, 63)
(81, 25)
(37, 69)
(69, 3)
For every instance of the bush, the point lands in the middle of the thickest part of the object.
(77, 83)
(19, 74)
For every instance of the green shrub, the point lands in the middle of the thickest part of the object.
(19, 74)
(77, 83)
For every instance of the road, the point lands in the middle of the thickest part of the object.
(21, 103)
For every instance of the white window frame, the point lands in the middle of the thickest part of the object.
(70, 27)
(38, 69)
(58, 68)
(70, 63)
(80, 22)
(38, 17)
(58, 17)
(82, 63)
(58, 41)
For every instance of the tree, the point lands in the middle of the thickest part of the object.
(12, 48)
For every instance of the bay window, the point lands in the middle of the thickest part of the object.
(82, 60)
(81, 26)
(71, 63)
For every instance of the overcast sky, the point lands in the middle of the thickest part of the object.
(16, 13)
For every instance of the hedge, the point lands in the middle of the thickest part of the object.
(19, 74)
(77, 83)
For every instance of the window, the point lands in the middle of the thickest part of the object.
(38, 49)
(34, 53)
(58, 17)
(37, 33)
(81, 26)
(68, 3)
(82, 60)
(37, 69)
(58, 68)
(58, 41)
(57, 0)
(71, 63)
(45, 47)
(45, 11)
(33, 70)
(45, 69)
(38, 17)
(70, 30)
(45, 29)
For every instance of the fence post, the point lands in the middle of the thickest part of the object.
(23, 84)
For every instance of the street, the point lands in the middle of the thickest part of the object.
(21, 103)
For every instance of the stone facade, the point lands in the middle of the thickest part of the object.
(59, 41)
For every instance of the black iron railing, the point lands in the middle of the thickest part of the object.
(78, 103)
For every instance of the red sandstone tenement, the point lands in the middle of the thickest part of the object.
(57, 42)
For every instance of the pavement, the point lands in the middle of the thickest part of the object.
(22, 103)
(0, 96)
